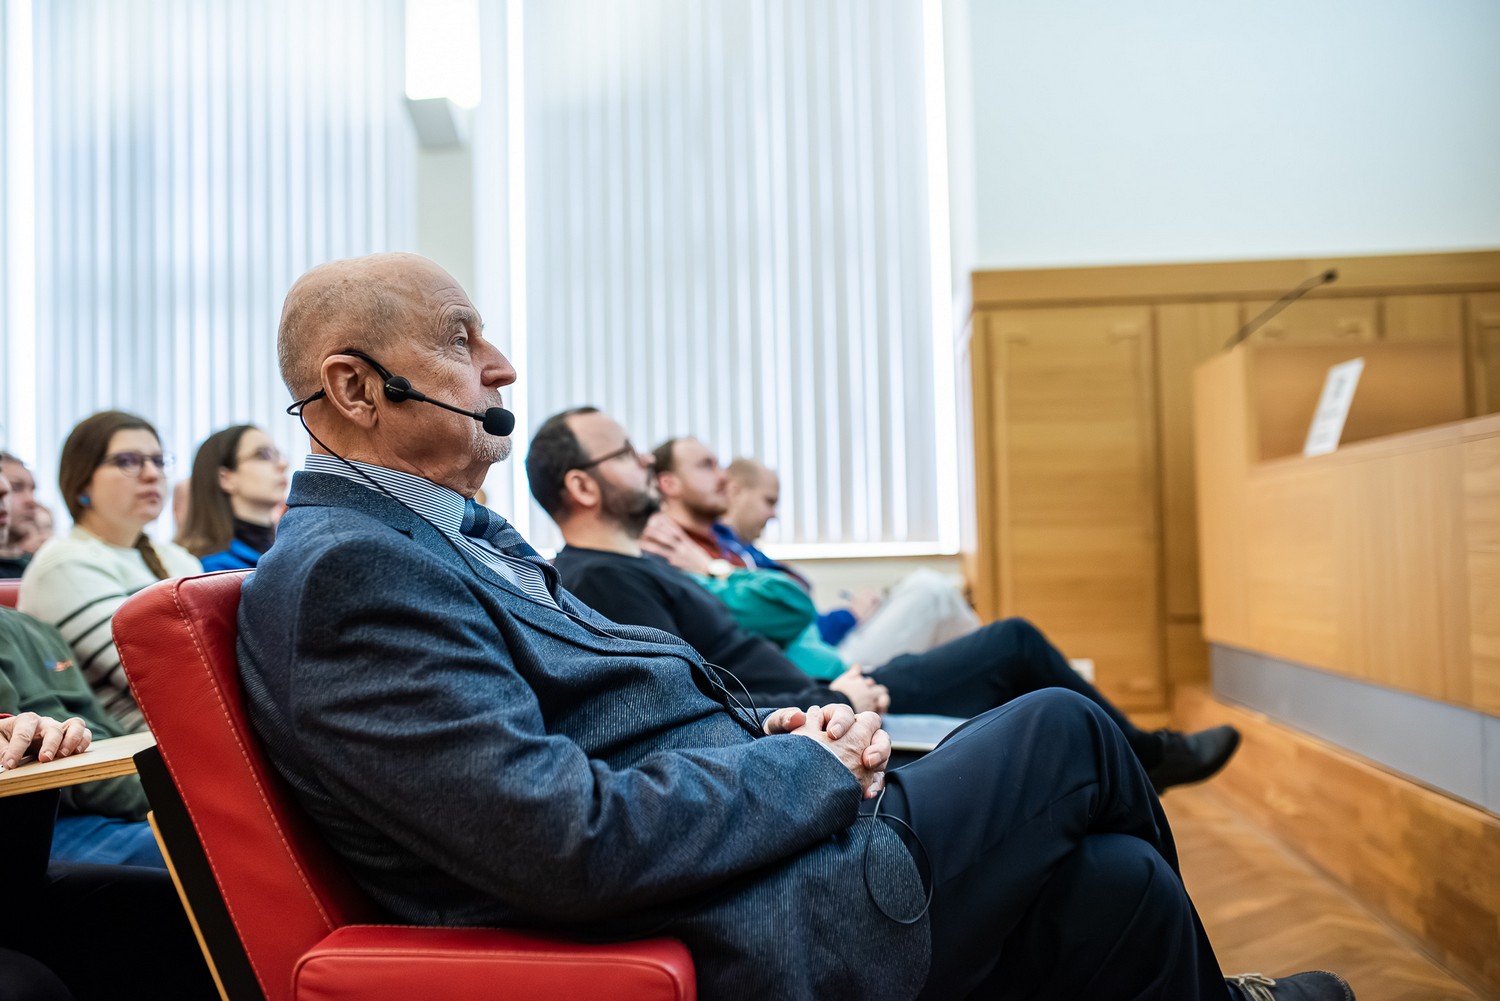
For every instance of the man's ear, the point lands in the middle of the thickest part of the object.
(666, 484)
(581, 490)
(351, 390)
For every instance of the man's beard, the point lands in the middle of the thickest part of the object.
(491, 448)
(630, 509)
(704, 509)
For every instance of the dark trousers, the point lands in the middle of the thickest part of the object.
(106, 932)
(1052, 868)
(989, 667)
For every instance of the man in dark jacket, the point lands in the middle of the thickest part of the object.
(481, 747)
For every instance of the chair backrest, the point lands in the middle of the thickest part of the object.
(282, 886)
(10, 591)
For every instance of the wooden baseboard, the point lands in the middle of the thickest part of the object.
(1425, 861)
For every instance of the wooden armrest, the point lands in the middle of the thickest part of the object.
(105, 759)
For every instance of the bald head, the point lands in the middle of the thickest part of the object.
(754, 490)
(362, 302)
(347, 324)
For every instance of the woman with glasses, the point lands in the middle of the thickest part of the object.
(113, 479)
(239, 483)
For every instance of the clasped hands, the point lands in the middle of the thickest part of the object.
(856, 739)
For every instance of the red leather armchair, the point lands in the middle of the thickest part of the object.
(277, 915)
(10, 591)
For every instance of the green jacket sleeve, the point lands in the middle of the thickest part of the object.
(765, 602)
(37, 674)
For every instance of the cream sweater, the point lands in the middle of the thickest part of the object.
(76, 582)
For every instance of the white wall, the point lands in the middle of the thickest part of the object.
(1169, 130)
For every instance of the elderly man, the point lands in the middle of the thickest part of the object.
(482, 748)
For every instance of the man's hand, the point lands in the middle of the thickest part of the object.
(862, 690)
(665, 538)
(43, 735)
(856, 740)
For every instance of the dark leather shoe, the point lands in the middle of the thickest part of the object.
(1192, 757)
(1319, 985)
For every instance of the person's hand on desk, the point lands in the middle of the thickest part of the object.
(862, 690)
(856, 740)
(41, 735)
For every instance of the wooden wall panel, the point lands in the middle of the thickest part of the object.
(1484, 349)
(1078, 488)
(1317, 321)
(1187, 334)
(1423, 319)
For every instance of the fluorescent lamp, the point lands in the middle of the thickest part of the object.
(442, 50)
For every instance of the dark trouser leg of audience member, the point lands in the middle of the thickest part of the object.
(989, 667)
(113, 932)
(24, 979)
(1054, 875)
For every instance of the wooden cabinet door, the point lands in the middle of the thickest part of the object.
(1484, 351)
(1077, 484)
(1317, 321)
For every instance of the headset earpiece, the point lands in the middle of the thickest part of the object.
(398, 388)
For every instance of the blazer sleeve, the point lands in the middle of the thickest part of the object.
(405, 700)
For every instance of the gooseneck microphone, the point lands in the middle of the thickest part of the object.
(1330, 275)
(496, 420)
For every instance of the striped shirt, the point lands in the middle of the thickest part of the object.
(447, 511)
(76, 582)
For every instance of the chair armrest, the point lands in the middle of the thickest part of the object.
(397, 963)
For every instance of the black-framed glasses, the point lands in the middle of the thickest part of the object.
(625, 449)
(131, 463)
(266, 453)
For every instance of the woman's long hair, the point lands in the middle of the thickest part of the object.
(209, 525)
(82, 454)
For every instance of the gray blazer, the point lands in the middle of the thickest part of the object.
(480, 758)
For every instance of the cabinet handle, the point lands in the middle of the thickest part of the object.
(1118, 334)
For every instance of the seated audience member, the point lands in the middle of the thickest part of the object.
(924, 610)
(112, 479)
(601, 507)
(101, 821)
(238, 485)
(25, 536)
(482, 748)
(83, 932)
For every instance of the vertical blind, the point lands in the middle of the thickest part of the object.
(726, 234)
(191, 160)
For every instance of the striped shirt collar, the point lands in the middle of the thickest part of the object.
(442, 507)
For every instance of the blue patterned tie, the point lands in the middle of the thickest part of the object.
(477, 520)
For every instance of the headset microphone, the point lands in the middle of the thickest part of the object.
(496, 420)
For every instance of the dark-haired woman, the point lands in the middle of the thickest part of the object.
(239, 482)
(112, 476)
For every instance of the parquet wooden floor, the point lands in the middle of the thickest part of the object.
(1266, 910)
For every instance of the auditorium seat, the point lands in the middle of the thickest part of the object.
(278, 916)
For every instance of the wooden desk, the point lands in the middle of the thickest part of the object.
(1379, 562)
(105, 759)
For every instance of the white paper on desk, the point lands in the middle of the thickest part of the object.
(1333, 407)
